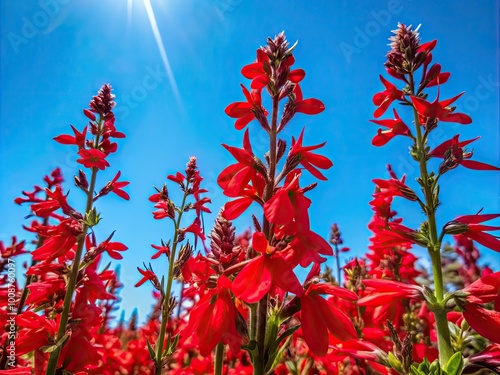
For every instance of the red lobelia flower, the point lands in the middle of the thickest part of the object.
(469, 225)
(453, 153)
(213, 319)
(318, 316)
(309, 160)
(288, 203)
(440, 110)
(309, 106)
(78, 139)
(252, 193)
(395, 127)
(234, 179)
(245, 111)
(93, 158)
(61, 240)
(384, 291)
(268, 269)
(384, 99)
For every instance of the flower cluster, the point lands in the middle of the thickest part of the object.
(234, 304)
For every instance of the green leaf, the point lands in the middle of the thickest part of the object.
(455, 364)
(394, 362)
(415, 371)
(152, 353)
(273, 349)
(435, 368)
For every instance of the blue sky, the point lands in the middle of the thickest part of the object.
(57, 53)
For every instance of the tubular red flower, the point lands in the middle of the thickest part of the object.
(93, 158)
(440, 110)
(476, 231)
(261, 273)
(395, 127)
(384, 291)
(309, 160)
(384, 99)
(245, 111)
(454, 154)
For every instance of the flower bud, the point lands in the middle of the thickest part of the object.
(454, 227)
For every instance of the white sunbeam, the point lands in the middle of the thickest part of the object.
(161, 48)
(129, 13)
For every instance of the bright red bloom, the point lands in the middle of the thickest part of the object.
(147, 274)
(309, 106)
(394, 188)
(484, 290)
(117, 186)
(485, 322)
(235, 178)
(55, 200)
(309, 160)
(93, 158)
(78, 139)
(476, 231)
(384, 291)
(268, 269)
(454, 154)
(213, 319)
(62, 239)
(318, 315)
(245, 111)
(384, 99)
(195, 228)
(396, 127)
(440, 110)
(288, 203)
(252, 193)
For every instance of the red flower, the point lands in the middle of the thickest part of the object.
(78, 139)
(396, 127)
(62, 239)
(309, 106)
(484, 290)
(485, 322)
(318, 316)
(213, 319)
(288, 203)
(93, 158)
(309, 160)
(252, 193)
(116, 187)
(268, 269)
(394, 188)
(234, 179)
(384, 99)
(384, 291)
(147, 274)
(453, 154)
(440, 110)
(475, 230)
(245, 111)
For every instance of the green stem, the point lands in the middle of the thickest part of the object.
(260, 360)
(75, 268)
(219, 359)
(166, 300)
(434, 247)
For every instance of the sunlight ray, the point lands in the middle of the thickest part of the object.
(161, 48)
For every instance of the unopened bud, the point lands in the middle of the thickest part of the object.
(454, 227)
(81, 180)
